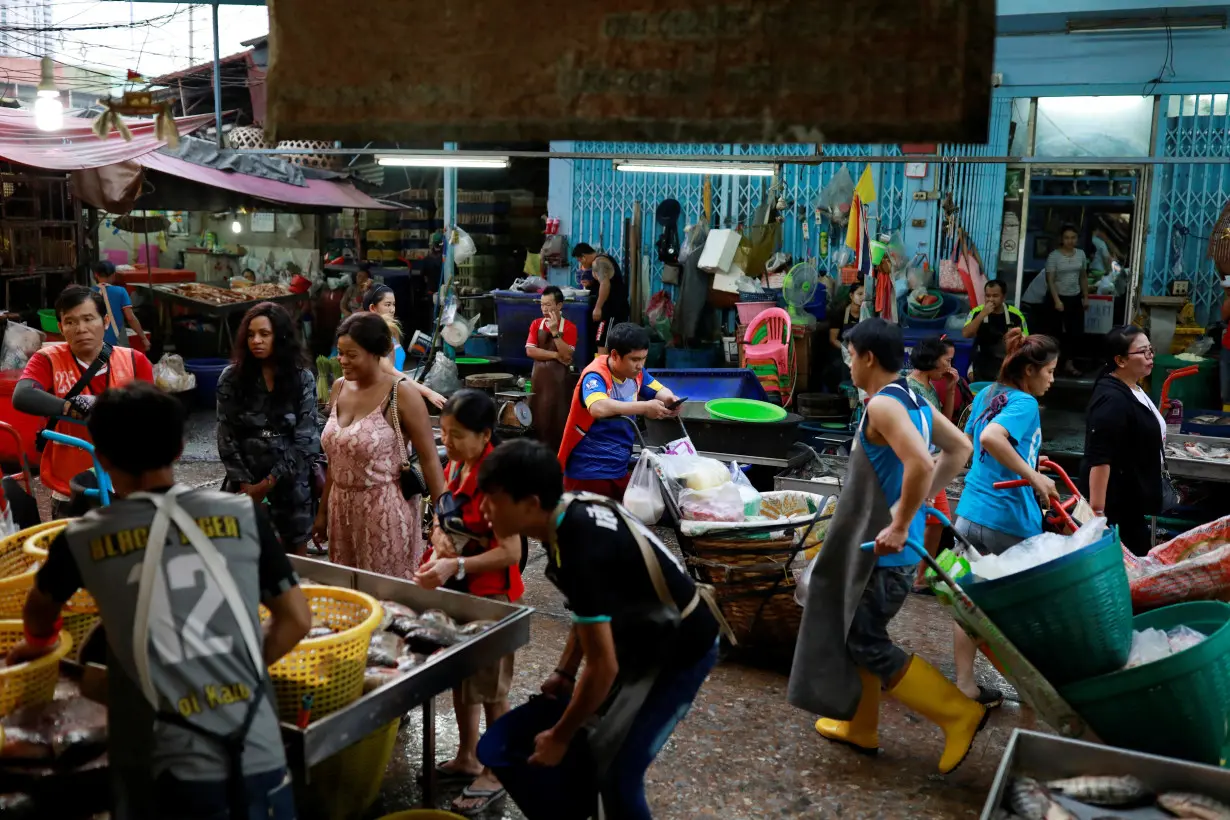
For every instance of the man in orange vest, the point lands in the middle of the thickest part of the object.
(64, 379)
(598, 441)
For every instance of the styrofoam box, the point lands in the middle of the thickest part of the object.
(719, 252)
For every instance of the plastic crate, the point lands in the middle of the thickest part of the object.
(703, 384)
(515, 311)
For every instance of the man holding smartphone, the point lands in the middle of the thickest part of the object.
(598, 441)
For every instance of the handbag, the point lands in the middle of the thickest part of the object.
(1170, 493)
(411, 479)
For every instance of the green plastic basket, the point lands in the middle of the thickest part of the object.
(48, 320)
(1071, 618)
(745, 410)
(1175, 707)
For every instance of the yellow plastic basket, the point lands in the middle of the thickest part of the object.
(330, 669)
(79, 624)
(33, 682)
(17, 570)
(37, 545)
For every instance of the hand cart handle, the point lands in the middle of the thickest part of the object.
(1176, 374)
(1061, 509)
(25, 474)
(103, 493)
(931, 562)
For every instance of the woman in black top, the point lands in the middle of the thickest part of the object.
(843, 315)
(268, 432)
(1124, 435)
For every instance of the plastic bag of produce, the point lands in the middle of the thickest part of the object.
(721, 503)
(643, 498)
(171, 376)
(20, 343)
(836, 196)
(695, 472)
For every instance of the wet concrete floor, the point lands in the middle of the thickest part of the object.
(743, 752)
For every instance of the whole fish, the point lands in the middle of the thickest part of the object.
(1102, 791)
(1030, 799)
(1193, 806)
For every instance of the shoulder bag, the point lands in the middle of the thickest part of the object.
(411, 478)
(104, 356)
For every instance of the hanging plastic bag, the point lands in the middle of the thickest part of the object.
(749, 494)
(659, 314)
(464, 248)
(643, 498)
(20, 343)
(171, 376)
(836, 196)
(443, 377)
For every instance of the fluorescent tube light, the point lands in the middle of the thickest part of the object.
(442, 161)
(1134, 25)
(746, 169)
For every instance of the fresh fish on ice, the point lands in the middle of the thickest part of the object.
(1102, 791)
(1193, 806)
(1030, 799)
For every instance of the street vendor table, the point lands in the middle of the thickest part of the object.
(417, 688)
(165, 296)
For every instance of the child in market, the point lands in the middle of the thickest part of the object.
(120, 314)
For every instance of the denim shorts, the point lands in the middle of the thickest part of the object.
(868, 642)
(986, 540)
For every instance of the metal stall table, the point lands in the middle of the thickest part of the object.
(417, 688)
(168, 295)
(1201, 469)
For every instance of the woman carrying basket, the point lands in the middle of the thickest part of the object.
(1005, 426)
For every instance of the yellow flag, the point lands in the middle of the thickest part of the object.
(866, 188)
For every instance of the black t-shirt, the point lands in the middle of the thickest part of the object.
(60, 577)
(598, 565)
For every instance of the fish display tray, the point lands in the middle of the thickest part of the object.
(441, 672)
(1047, 757)
(1198, 468)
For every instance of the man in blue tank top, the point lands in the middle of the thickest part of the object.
(896, 435)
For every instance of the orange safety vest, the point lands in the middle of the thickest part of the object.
(579, 418)
(61, 462)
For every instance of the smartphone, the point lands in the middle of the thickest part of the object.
(676, 404)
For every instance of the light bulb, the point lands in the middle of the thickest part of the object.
(48, 111)
(236, 227)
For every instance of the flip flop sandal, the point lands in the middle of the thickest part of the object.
(990, 698)
(488, 796)
(445, 775)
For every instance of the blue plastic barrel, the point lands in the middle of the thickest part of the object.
(207, 372)
(563, 792)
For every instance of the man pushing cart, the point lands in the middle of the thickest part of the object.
(844, 656)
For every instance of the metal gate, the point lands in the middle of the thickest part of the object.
(1187, 198)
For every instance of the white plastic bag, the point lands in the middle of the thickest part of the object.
(171, 376)
(443, 377)
(836, 196)
(643, 498)
(20, 343)
(721, 503)
(695, 472)
(749, 494)
(1148, 646)
(464, 248)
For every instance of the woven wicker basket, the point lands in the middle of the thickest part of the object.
(754, 586)
(308, 159)
(247, 137)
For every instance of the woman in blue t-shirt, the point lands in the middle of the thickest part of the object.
(1005, 426)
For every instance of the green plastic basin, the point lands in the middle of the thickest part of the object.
(472, 360)
(751, 410)
(1071, 617)
(1175, 707)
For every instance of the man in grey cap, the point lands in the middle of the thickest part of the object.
(178, 575)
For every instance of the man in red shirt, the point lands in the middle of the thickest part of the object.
(552, 343)
(53, 385)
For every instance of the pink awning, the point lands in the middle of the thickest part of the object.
(316, 193)
(75, 147)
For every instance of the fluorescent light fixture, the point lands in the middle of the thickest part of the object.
(442, 161)
(1135, 25)
(743, 169)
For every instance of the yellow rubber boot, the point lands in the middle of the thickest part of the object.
(936, 698)
(861, 732)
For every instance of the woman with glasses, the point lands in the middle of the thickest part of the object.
(1124, 436)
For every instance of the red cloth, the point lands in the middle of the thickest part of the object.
(482, 584)
(579, 418)
(39, 368)
(940, 502)
(610, 487)
(570, 333)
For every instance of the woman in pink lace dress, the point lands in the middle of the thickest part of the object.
(362, 513)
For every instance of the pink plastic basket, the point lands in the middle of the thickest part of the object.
(748, 311)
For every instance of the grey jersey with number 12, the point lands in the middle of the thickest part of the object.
(198, 661)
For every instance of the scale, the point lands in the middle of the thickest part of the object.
(514, 410)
